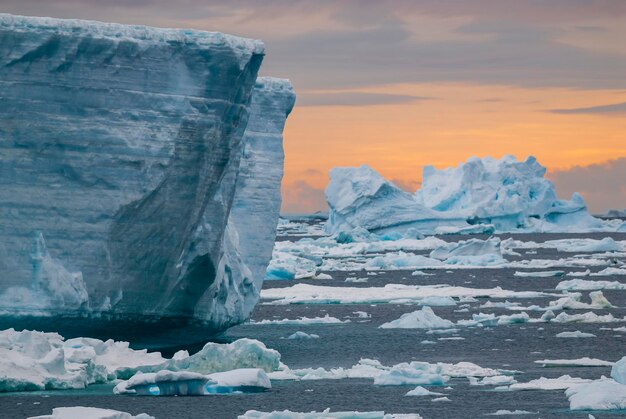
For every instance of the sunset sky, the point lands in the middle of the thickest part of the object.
(402, 84)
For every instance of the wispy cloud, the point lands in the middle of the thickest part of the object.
(612, 109)
(602, 185)
(355, 99)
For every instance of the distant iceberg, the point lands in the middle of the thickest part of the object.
(480, 195)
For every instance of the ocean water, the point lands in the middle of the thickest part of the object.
(512, 347)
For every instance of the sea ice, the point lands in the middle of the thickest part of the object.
(302, 336)
(580, 362)
(80, 412)
(421, 391)
(326, 414)
(304, 321)
(575, 334)
(603, 394)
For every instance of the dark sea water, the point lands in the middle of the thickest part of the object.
(512, 347)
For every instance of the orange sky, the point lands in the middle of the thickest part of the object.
(460, 121)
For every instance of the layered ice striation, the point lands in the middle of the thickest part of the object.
(131, 191)
(493, 194)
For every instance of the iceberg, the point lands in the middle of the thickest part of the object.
(480, 195)
(421, 319)
(140, 173)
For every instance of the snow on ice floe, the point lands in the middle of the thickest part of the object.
(390, 293)
(504, 193)
(81, 412)
(580, 362)
(37, 361)
(504, 412)
(326, 414)
(539, 274)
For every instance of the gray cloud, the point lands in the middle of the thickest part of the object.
(602, 185)
(300, 197)
(372, 44)
(355, 99)
(616, 108)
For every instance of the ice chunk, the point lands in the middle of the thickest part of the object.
(580, 362)
(470, 252)
(80, 412)
(505, 193)
(38, 361)
(601, 394)
(542, 274)
(504, 412)
(421, 319)
(618, 372)
(421, 391)
(302, 336)
(303, 321)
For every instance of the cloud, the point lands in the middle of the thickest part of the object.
(616, 108)
(300, 197)
(602, 185)
(355, 99)
(407, 185)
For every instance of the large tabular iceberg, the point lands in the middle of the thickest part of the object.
(504, 194)
(131, 190)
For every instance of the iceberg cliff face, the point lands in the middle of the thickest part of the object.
(120, 153)
(502, 193)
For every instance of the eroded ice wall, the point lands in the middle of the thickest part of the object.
(119, 149)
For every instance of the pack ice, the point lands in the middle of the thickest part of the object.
(480, 195)
(140, 174)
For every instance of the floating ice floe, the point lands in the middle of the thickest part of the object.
(505, 194)
(505, 412)
(314, 294)
(496, 380)
(602, 394)
(539, 274)
(302, 336)
(185, 383)
(326, 414)
(45, 361)
(580, 362)
(421, 319)
(585, 285)
(561, 383)
(416, 373)
(303, 321)
(81, 412)
(421, 391)
(575, 334)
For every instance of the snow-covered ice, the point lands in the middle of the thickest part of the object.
(505, 194)
(421, 319)
(81, 412)
(326, 414)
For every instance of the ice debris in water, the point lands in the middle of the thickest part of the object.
(421, 391)
(303, 321)
(45, 361)
(505, 194)
(81, 412)
(575, 334)
(326, 414)
(302, 336)
(602, 394)
(580, 362)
